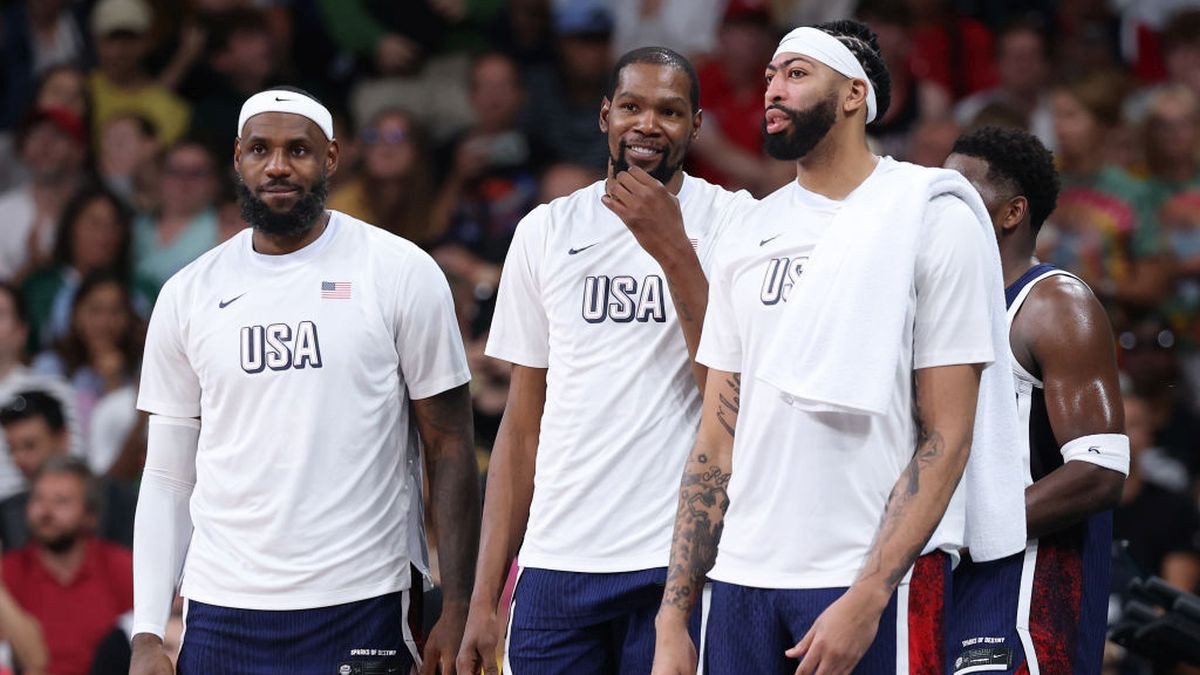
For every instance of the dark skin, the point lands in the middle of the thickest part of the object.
(280, 157)
(945, 396)
(1062, 336)
(650, 107)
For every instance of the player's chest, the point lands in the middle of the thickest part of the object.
(604, 283)
(288, 325)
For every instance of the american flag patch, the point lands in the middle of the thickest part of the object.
(335, 290)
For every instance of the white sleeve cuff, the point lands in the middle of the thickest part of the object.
(1110, 451)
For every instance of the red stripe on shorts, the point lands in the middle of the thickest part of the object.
(927, 614)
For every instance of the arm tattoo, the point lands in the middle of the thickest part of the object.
(700, 519)
(727, 406)
(930, 449)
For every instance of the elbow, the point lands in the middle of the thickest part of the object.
(1109, 486)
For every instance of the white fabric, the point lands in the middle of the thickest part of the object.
(112, 420)
(284, 101)
(817, 44)
(20, 222)
(162, 526)
(1110, 451)
(307, 492)
(808, 489)
(622, 408)
(846, 366)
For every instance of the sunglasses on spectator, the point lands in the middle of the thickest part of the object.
(390, 137)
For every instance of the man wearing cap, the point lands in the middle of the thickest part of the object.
(846, 332)
(296, 376)
(53, 146)
(120, 82)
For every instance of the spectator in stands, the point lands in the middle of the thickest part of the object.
(561, 108)
(184, 224)
(560, 180)
(94, 235)
(35, 431)
(490, 186)
(1023, 70)
(128, 159)
(951, 49)
(1172, 138)
(102, 350)
(1103, 228)
(75, 585)
(1181, 49)
(15, 377)
(121, 83)
(914, 99)
(35, 35)
(23, 635)
(53, 147)
(64, 86)
(729, 151)
(242, 61)
(396, 188)
(687, 26)
(1162, 527)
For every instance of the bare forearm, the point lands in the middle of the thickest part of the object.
(914, 509)
(1068, 495)
(454, 500)
(689, 293)
(506, 514)
(699, 521)
(23, 633)
(448, 434)
(703, 497)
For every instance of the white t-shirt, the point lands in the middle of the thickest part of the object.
(301, 368)
(580, 297)
(20, 220)
(808, 490)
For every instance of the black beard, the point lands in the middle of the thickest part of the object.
(807, 129)
(661, 173)
(295, 222)
(62, 543)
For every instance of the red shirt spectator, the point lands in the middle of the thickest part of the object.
(956, 53)
(76, 586)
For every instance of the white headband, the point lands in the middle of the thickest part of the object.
(284, 101)
(819, 45)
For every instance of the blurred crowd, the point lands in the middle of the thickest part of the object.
(455, 119)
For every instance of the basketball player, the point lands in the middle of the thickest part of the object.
(1045, 609)
(599, 311)
(819, 515)
(294, 376)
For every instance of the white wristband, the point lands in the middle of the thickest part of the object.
(1110, 451)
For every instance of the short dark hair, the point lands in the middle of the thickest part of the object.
(864, 45)
(64, 243)
(657, 56)
(1181, 30)
(93, 494)
(32, 404)
(1017, 158)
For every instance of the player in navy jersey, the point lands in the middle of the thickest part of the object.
(1044, 610)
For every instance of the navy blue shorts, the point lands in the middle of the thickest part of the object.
(579, 623)
(1044, 610)
(368, 637)
(749, 629)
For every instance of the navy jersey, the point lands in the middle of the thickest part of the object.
(1057, 589)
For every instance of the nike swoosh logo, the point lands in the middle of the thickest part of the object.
(282, 99)
(764, 241)
(580, 250)
(1095, 449)
(225, 303)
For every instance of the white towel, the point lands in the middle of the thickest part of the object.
(869, 257)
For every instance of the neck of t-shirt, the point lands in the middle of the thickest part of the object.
(300, 255)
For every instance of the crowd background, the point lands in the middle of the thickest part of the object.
(457, 117)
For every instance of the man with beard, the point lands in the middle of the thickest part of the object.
(296, 376)
(847, 328)
(599, 310)
(75, 585)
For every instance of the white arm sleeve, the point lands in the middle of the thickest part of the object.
(162, 527)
